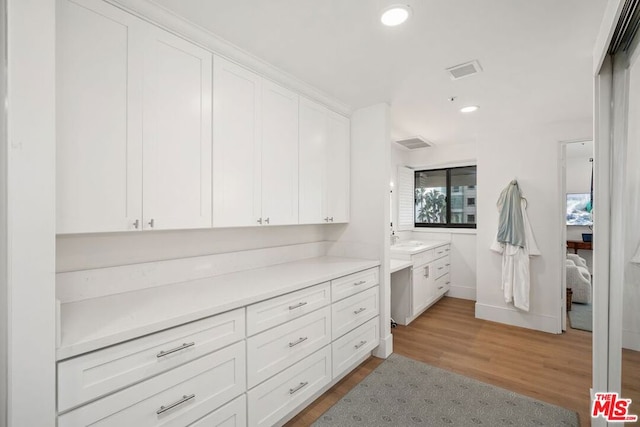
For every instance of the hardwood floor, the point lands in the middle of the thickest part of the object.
(551, 368)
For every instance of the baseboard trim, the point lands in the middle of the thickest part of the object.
(631, 340)
(511, 316)
(462, 292)
(385, 348)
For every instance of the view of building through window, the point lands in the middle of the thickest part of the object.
(446, 197)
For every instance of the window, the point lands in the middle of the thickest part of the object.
(440, 197)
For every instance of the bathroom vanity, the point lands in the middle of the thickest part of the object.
(415, 289)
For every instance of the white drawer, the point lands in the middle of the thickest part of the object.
(233, 414)
(354, 311)
(351, 347)
(279, 310)
(99, 373)
(422, 257)
(441, 266)
(276, 349)
(275, 398)
(442, 285)
(354, 283)
(212, 380)
(441, 251)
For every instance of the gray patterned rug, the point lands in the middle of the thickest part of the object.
(403, 392)
(581, 316)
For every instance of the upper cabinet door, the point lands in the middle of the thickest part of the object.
(338, 167)
(98, 141)
(312, 168)
(236, 145)
(279, 155)
(177, 133)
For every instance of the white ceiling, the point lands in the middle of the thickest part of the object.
(536, 56)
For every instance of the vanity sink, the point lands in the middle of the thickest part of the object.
(413, 246)
(409, 244)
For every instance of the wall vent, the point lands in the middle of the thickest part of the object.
(414, 142)
(464, 70)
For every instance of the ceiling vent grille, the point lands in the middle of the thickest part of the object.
(414, 142)
(464, 70)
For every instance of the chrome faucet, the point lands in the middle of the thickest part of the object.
(394, 238)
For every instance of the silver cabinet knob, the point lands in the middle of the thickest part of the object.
(266, 221)
(151, 223)
(331, 219)
(259, 221)
(326, 219)
(136, 224)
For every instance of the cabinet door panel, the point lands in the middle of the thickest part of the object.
(279, 154)
(177, 133)
(236, 145)
(338, 167)
(421, 288)
(313, 149)
(99, 147)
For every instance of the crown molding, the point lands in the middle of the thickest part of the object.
(170, 21)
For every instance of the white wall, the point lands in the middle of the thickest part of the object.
(3, 221)
(80, 252)
(367, 234)
(531, 156)
(31, 212)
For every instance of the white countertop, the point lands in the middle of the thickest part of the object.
(399, 264)
(99, 322)
(416, 246)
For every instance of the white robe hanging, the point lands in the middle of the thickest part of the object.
(516, 276)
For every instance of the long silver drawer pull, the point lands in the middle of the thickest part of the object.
(298, 341)
(448, 283)
(361, 282)
(360, 310)
(298, 387)
(440, 268)
(184, 399)
(298, 305)
(440, 287)
(447, 265)
(173, 350)
(360, 344)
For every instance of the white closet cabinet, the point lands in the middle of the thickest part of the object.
(177, 133)
(324, 146)
(99, 129)
(130, 97)
(255, 149)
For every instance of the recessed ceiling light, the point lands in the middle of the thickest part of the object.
(395, 14)
(469, 109)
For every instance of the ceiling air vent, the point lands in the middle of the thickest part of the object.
(414, 142)
(464, 70)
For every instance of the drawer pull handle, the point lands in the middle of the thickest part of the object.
(360, 310)
(440, 268)
(447, 265)
(298, 387)
(448, 283)
(440, 287)
(357, 346)
(173, 350)
(361, 282)
(184, 399)
(298, 305)
(298, 341)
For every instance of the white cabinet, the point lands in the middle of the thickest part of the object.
(236, 145)
(428, 282)
(176, 133)
(324, 165)
(133, 119)
(279, 155)
(255, 149)
(98, 123)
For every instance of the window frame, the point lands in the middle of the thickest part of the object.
(448, 223)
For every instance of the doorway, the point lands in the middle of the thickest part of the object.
(576, 198)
